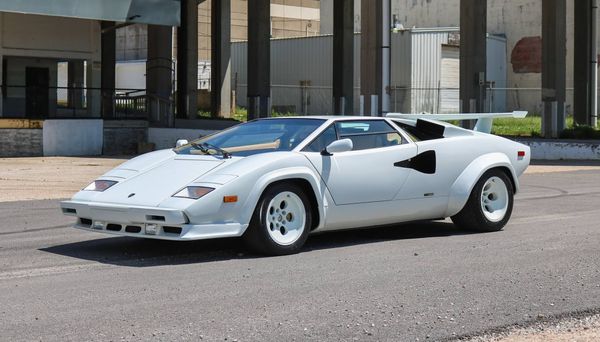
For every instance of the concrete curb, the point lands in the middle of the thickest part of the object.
(547, 149)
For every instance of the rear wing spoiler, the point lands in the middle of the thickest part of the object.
(484, 120)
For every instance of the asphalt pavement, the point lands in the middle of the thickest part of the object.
(422, 281)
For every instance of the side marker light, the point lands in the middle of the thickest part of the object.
(230, 199)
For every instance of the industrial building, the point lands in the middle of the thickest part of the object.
(59, 61)
(424, 72)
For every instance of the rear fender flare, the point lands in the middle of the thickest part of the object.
(462, 187)
(280, 175)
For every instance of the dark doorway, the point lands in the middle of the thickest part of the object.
(37, 81)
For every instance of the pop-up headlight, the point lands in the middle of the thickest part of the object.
(193, 192)
(100, 185)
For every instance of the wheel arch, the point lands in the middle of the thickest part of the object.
(462, 187)
(300, 176)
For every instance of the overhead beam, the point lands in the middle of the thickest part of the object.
(473, 57)
(187, 61)
(554, 55)
(343, 57)
(259, 59)
(220, 67)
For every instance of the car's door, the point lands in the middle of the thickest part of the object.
(367, 173)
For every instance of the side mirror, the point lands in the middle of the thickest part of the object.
(338, 146)
(181, 142)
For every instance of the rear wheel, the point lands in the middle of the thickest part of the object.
(489, 206)
(281, 221)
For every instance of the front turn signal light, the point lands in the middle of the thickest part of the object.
(193, 192)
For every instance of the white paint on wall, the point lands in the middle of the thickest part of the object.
(73, 137)
(563, 150)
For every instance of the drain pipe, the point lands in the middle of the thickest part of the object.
(385, 57)
(594, 63)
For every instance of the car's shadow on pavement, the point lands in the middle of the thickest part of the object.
(135, 252)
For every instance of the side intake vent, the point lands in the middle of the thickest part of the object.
(423, 162)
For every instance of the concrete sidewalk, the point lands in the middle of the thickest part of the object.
(38, 178)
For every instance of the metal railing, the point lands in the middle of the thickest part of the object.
(42, 102)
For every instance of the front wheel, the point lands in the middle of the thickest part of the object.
(281, 221)
(490, 204)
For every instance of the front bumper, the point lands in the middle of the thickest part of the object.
(145, 222)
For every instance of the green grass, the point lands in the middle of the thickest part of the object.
(239, 114)
(526, 127)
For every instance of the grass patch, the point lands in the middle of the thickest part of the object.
(239, 114)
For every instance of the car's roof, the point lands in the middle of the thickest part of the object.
(329, 117)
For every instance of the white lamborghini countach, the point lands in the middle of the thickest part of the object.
(274, 181)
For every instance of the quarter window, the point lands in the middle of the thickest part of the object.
(367, 134)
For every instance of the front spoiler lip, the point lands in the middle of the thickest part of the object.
(189, 232)
(121, 214)
(124, 213)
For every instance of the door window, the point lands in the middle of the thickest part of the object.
(323, 140)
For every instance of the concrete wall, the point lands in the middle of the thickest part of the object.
(35, 39)
(167, 137)
(124, 137)
(73, 137)
(14, 102)
(20, 142)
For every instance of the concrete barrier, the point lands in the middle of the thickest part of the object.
(73, 137)
(543, 149)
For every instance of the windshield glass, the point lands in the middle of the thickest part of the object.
(254, 137)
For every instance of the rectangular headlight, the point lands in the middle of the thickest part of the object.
(193, 192)
(100, 185)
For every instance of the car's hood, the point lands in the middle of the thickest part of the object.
(148, 180)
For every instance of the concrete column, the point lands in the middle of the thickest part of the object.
(473, 57)
(371, 71)
(108, 62)
(259, 59)
(187, 61)
(2, 69)
(554, 55)
(159, 72)
(343, 57)
(75, 78)
(4, 90)
(585, 68)
(220, 66)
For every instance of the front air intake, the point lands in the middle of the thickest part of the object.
(133, 229)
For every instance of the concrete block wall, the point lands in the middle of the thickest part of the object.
(123, 137)
(21, 142)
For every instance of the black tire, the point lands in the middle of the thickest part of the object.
(472, 216)
(259, 239)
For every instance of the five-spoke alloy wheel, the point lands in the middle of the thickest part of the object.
(281, 221)
(490, 204)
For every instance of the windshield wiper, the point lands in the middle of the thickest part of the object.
(206, 147)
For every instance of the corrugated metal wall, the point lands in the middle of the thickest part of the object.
(301, 74)
(301, 71)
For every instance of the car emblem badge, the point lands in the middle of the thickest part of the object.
(131, 195)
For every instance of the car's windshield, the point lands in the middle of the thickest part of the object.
(254, 137)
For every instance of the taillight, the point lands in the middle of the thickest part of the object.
(521, 154)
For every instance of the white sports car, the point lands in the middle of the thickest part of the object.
(273, 181)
